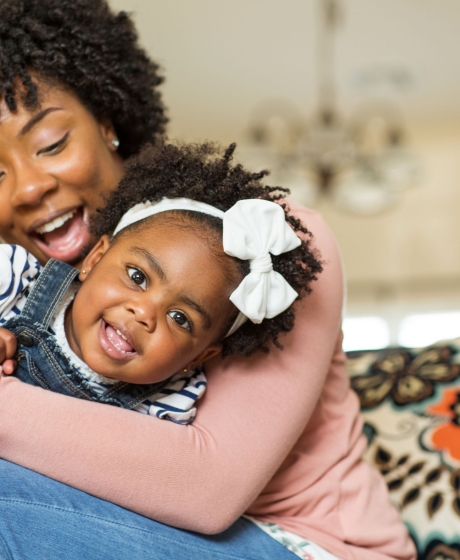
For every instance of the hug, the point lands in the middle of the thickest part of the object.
(173, 382)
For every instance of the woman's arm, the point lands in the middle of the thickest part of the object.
(199, 477)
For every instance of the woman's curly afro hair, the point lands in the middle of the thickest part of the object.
(205, 172)
(83, 45)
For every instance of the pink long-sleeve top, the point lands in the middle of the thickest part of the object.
(277, 436)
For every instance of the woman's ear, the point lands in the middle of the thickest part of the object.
(109, 134)
(94, 256)
(207, 354)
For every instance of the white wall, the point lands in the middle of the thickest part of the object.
(221, 59)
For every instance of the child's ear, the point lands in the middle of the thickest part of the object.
(94, 256)
(207, 354)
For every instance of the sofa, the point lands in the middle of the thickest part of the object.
(410, 399)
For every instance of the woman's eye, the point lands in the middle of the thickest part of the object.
(2, 175)
(181, 319)
(54, 148)
(138, 277)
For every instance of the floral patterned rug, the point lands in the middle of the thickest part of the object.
(410, 399)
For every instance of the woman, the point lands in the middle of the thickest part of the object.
(280, 441)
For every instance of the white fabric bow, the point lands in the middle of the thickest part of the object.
(253, 229)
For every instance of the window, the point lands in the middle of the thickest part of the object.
(365, 333)
(424, 329)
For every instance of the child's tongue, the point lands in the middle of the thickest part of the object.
(119, 342)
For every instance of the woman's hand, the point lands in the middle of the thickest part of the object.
(7, 351)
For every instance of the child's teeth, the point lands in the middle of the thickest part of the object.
(119, 340)
(56, 223)
(122, 335)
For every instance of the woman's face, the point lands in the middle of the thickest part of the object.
(56, 162)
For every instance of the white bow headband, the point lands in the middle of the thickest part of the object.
(252, 229)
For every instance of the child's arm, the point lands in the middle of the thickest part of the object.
(7, 351)
(18, 269)
(200, 477)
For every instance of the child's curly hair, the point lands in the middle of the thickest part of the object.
(205, 172)
(82, 45)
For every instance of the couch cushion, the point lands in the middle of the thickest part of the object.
(410, 399)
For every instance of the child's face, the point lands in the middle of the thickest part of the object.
(150, 305)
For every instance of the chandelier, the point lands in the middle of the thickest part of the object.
(360, 165)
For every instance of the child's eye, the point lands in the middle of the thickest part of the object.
(54, 148)
(137, 277)
(181, 319)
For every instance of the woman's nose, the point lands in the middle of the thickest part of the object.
(30, 185)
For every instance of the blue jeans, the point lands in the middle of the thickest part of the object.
(44, 519)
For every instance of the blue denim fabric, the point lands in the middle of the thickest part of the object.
(41, 519)
(41, 360)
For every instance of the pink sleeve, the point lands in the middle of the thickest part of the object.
(200, 477)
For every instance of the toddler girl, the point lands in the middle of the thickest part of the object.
(200, 261)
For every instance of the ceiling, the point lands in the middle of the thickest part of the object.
(221, 59)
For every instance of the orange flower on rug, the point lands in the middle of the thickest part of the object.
(445, 436)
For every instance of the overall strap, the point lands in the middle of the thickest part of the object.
(49, 289)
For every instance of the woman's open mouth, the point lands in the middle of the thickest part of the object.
(114, 343)
(65, 237)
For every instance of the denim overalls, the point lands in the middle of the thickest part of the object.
(40, 359)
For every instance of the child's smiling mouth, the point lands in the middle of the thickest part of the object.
(114, 343)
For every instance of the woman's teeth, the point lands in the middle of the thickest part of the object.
(56, 223)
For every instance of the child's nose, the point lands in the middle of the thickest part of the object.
(143, 314)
